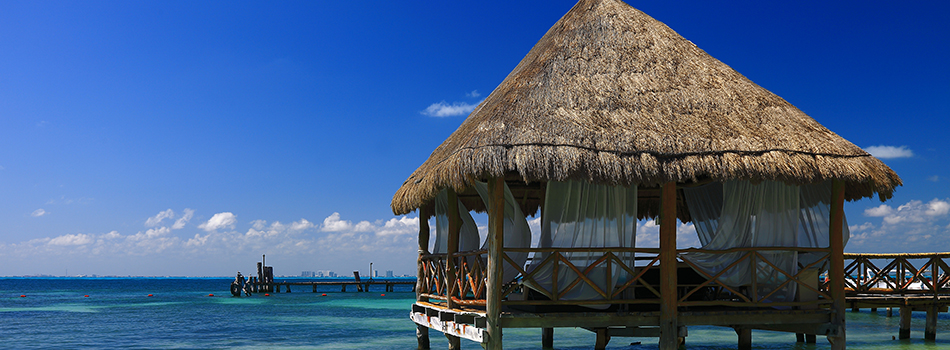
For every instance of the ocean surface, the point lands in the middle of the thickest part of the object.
(118, 314)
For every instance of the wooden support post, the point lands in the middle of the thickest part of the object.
(496, 260)
(668, 308)
(455, 225)
(810, 338)
(836, 272)
(873, 310)
(547, 338)
(603, 337)
(905, 313)
(930, 327)
(799, 337)
(890, 312)
(422, 332)
(854, 308)
(745, 338)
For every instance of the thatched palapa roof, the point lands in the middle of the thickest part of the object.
(610, 95)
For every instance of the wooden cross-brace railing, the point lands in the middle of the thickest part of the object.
(900, 273)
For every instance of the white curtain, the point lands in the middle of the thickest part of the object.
(468, 233)
(516, 230)
(769, 214)
(578, 215)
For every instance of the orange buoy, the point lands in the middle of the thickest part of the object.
(323, 295)
(86, 296)
(382, 295)
(266, 294)
(22, 296)
(210, 295)
(149, 295)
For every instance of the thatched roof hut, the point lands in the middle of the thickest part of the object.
(612, 96)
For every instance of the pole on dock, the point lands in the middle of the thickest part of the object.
(359, 287)
(455, 225)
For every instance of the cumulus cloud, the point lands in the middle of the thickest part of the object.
(333, 224)
(219, 221)
(183, 220)
(888, 152)
(38, 212)
(474, 93)
(913, 226)
(443, 109)
(913, 211)
(74, 239)
(157, 219)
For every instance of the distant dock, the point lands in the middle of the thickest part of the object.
(264, 283)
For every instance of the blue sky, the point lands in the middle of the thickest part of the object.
(188, 138)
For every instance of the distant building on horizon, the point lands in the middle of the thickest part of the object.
(389, 273)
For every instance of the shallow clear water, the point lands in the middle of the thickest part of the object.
(180, 315)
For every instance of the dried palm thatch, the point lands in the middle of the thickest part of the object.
(612, 96)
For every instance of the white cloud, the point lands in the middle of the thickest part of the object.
(879, 211)
(934, 178)
(333, 224)
(913, 226)
(443, 109)
(183, 220)
(301, 225)
(219, 221)
(38, 212)
(474, 93)
(888, 152)
(76, 239)
(157, 219)
(401, 226)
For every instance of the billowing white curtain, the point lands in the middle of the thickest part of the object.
(468, 233)
(516, 230)
(579, 215)
(769, 214)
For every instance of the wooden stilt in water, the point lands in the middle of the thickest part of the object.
(668, 308)
(547, 338)
(603, 337)
(745, 338)
(904, 332)
(422, 337)
(810, 338)
(873, 310)
(799, 337)
(890, 312)
(930, 328)
(356, 275)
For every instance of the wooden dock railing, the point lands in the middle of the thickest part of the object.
(905, 273)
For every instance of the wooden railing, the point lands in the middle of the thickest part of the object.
(916, 273)
(469, 289)
(719, 293)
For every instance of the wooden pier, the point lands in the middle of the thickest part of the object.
(314, 286)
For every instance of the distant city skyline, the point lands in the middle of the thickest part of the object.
(190, 138)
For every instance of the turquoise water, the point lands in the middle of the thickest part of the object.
(118, 314)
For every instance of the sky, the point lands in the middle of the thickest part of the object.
(184, 138)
